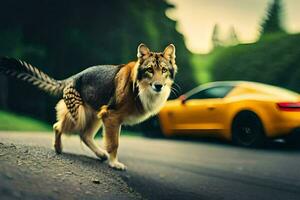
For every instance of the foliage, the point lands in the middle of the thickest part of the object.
(233, 38)
(64, 37)
(215, 38)
(202, 64)
(273, 21)
(273, 60)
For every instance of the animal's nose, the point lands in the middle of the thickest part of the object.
(158, 87)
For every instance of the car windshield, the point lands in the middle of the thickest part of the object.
(203, 92)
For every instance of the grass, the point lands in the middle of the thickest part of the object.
(130, 133)
(14, 122)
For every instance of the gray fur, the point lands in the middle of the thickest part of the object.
(96, 85)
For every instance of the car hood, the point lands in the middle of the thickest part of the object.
(174, 102)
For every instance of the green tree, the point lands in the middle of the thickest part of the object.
(233, 38)
(274, 60)
(272, 22)
(215, 38)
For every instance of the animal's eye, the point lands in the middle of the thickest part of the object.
(164, 70)
(150, 70)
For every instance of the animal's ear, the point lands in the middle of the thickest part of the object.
(142, 51)
(169, 52)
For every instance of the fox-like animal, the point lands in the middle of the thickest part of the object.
(108, 95)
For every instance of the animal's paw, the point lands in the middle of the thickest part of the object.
(103, 155)
(117, 165)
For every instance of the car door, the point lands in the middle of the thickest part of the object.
(202, 111)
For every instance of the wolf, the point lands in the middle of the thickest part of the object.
(104, 95)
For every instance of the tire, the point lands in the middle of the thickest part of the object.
(151, 128)
(247, 130)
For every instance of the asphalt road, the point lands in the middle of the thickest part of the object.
(157, 169)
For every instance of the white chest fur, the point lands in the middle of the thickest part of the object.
(152, 103)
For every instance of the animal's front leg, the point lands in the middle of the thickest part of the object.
(111, 135)
(88, 136)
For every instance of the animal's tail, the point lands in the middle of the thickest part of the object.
(24, 71)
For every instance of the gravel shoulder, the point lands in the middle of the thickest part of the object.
(36, 172)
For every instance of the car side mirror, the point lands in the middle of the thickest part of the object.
(183, 99)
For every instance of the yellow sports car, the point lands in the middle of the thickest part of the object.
(245, 113)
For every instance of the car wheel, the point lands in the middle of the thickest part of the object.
(247, 130)
(151, 128)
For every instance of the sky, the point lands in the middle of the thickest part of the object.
(196, 19)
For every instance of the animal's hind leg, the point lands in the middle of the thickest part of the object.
(65, 123)
(57, 142)
(88, 138)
